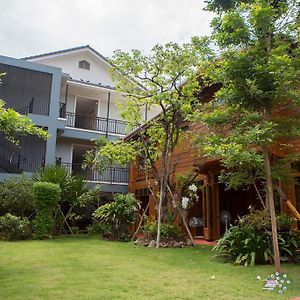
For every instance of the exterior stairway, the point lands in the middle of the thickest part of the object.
(11, 160)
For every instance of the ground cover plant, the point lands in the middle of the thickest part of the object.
(116, 216)
(249, 241)
(90, 268)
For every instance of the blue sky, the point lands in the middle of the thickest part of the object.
(37, 26)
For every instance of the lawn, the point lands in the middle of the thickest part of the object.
(90, 268)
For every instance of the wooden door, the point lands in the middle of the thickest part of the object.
(211, 211)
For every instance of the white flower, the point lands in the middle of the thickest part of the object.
(212, 277)
(277, 278)
(284, 276)
(280, 291)
(280, 285)
(284, 288)
(193, 188)
(288, 282)
(281, 281)
(185, 202)
(272, 276)
(258, 277)
(276, 273)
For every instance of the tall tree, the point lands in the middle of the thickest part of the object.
(257, 61)
(164, 81)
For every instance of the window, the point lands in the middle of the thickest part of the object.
(83, 64)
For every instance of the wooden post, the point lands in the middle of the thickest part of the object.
(107, 115)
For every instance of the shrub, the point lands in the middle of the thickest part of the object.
(284, 221)
(57, 175)
(14, 228)
(167, 231)
(16, 196)
(250, 241)
(95, 227)
(46, 198)
(117, 215)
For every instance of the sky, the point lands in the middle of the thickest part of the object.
(38, 26)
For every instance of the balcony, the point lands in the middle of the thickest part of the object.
(109, 175)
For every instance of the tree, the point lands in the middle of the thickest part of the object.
(164, 80)
(257, 61)
(12, 124)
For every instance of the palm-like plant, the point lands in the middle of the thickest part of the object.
(58, 175)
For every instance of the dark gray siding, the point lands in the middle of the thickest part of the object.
(28, 156)
(20, 86)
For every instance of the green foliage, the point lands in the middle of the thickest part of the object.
(96, 227)
(249, 242)
(14, 228)
(16, 196)
(257, 62)
(111, 153)
(117, 215)
(12, 124)
(46, 197)
(57, 175)
(167, 231)
(285, 221)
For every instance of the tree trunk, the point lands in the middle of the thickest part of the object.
(187, 227)
(270, 200)
(141, 221)
(159, 210)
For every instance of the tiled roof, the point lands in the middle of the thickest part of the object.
(68, 50)
(93, 84)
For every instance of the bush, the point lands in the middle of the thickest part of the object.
(14, 228)
(95, 227)
(46, 198)
(250, 241)
(167, 231)
(117, 215)
(16, 196)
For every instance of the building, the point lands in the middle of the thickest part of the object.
(71, 94)
(217, 207)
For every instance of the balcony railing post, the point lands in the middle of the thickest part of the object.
(95, 123)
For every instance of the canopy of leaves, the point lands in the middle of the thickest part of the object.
(257, 62)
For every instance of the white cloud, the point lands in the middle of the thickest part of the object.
(34, 26)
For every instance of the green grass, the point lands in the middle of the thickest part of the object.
(90, 268)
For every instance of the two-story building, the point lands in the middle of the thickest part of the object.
(71, 94)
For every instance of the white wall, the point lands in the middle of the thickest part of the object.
(98, 73)
(64, 150)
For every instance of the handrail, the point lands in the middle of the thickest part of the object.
(85, 121)
(11, 160)
(28, 109)
(109, 175)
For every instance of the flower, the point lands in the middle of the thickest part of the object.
(280, 285)
(280, 291)
(276, 273)
(284, 276)
(258, 277)
(193, 188)
(281, 281)
(277, 278)
(212, 277)
(288, 282)
(185, 202)
(284, 288)
(272, 276)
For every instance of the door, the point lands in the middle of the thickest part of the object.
(211, 211)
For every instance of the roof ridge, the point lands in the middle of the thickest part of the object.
(67, 50)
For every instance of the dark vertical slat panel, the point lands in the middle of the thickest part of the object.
(20, 85)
